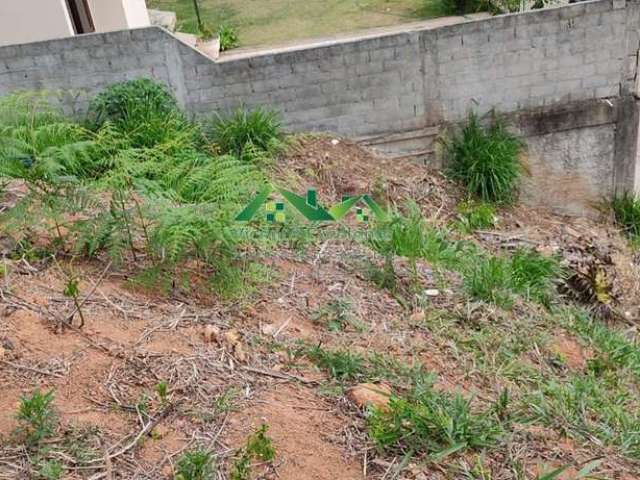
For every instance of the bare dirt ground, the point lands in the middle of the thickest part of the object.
(232, 365)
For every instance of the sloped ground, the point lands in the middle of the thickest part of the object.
(232, 365)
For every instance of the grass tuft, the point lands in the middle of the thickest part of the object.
(243, 130)
(433, 423)
(228, 37)
(626, 212)
(486, 160)
(474, 216)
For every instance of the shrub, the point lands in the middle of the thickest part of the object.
(36, 416)
(244, 130)
(485, 160)
(143, 109)
(431, 422)
(195, 465)
(626, 212)
(228, 37)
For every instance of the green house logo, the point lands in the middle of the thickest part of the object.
(308, 207)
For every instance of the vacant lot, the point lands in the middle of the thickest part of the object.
(261, 22)
(147, 334)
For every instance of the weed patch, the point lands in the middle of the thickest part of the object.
(259, 447)
(433, 423)
(195, 465)
(485, 161)
(474, 216)
(626, 211)
(245, 132)
(228, 37)
(36, 416)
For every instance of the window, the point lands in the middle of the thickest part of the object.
(80, 16)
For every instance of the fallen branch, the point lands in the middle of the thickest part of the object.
(145, 430)
(31, 369)
(274, 374)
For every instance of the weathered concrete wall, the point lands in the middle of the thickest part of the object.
(395, 90)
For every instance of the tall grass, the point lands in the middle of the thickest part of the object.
(485, 160)
(626, 211)
(245, 130)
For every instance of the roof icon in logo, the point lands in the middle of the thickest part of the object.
(307, 206)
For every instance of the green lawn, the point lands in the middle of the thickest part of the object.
(263, 22)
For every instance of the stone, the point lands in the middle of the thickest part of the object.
(370, 394)
(163, 18)
(269, 329)
(432, 292)
(211, 334)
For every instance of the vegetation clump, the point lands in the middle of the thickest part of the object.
(485, 160)
(195, 465)
(138, 181)
(243, 132)
(228, 37)
(626, 212)
(433, 423)
(36, 416)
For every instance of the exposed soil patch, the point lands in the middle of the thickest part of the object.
(143, 358)
(306, 432)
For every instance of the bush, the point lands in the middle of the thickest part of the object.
(142, 109)
(485, 161)
(244, 131)
(228, 37)
(626, 212)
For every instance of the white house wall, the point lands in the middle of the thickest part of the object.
(108, 15)
(136, 13)
(25, 21)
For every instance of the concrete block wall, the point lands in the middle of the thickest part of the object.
(399, 88)
(78, 67)
(355, 88)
